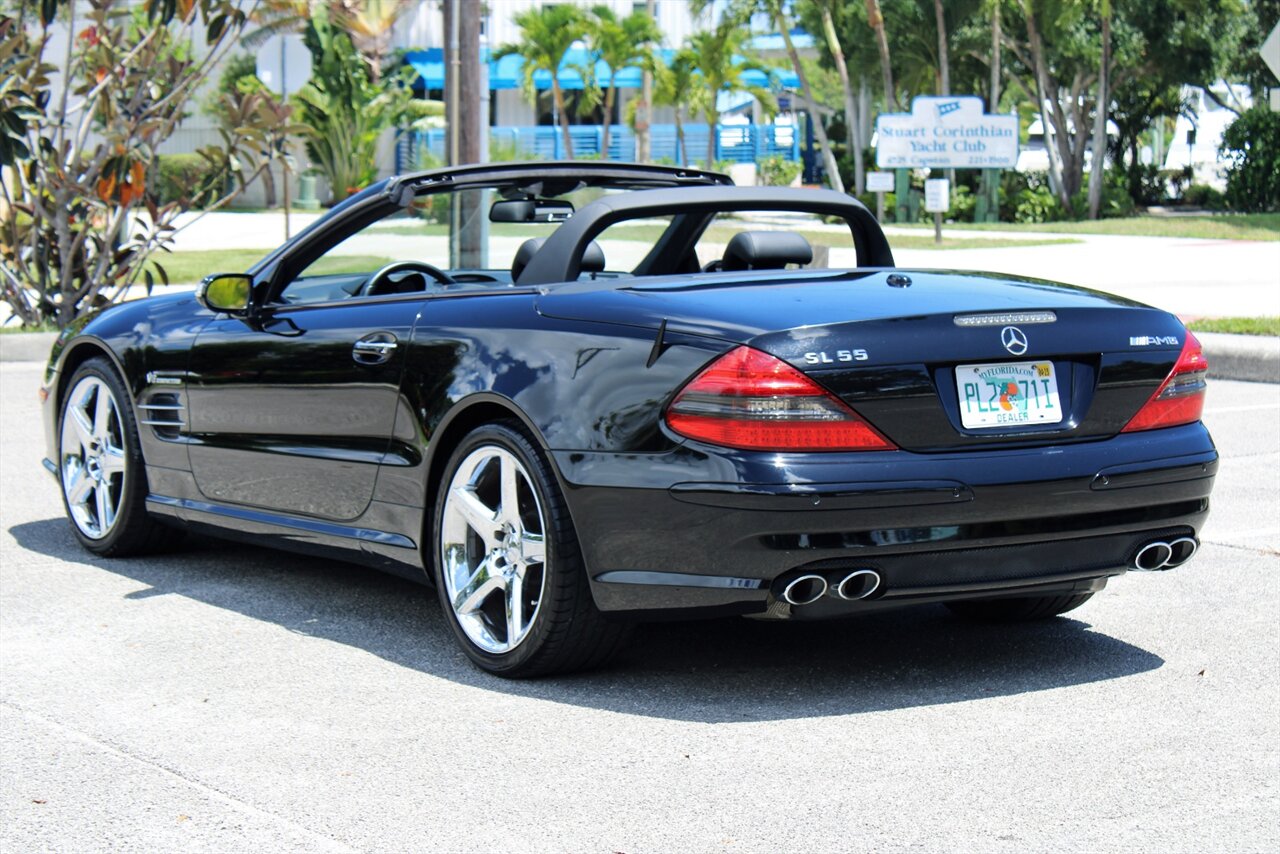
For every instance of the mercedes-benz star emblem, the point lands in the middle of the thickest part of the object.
(1014, 340)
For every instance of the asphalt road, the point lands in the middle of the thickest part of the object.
(229, 698)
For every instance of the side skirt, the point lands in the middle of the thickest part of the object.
(387, 551)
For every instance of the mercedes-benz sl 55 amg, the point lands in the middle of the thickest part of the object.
(573, 396)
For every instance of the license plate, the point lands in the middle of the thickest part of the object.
(1008, 394)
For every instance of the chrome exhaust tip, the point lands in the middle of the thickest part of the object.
(858, 584)
(1153, 556)
(804, 590)
(1181, 550)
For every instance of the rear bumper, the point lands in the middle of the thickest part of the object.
(706, 530)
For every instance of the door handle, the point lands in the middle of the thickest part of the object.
(375, 349)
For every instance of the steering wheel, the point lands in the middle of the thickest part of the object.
(370, 287)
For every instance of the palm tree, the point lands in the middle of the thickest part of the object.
(546, 34)
(846, 86)
(876, 20)
(619, 43)
(718, 58)
(369, 24)
(777, 12)
(677, 85)
(1098, 166)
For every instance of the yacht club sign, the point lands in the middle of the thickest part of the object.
(948, 133)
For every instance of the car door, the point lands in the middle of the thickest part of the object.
(293, 410)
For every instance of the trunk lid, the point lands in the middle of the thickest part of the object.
(891, 349)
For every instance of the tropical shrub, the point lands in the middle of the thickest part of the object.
(79, 225)
(1251, 147)
(1204, 196)
(777, 171)
(343, 110)
(187, 179)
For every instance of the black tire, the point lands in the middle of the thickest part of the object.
(1017, 610)
(131, 531)
(566, 631)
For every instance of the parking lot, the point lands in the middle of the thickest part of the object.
(232, 698)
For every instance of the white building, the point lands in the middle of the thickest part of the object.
(1198, 131)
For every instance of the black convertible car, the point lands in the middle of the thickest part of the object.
(625, 392)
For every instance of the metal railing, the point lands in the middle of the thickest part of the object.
(737, 143)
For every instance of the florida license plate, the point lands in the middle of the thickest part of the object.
(1008, 394)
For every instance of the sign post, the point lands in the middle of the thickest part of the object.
(284, 66)
(949, 132)
(1270, 51)
(937, 199)
(880, 183)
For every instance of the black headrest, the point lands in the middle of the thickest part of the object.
(766, 250)
(592, 258)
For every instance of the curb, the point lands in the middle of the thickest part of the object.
(26, 346)
(1252, 358)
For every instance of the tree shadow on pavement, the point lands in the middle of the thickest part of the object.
(708, 671)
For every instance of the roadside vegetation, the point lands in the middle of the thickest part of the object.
(1237, 325)
(1261, 226)
(192, 266)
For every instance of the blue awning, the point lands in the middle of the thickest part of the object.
(505, 73)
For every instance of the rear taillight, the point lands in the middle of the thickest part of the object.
(1180, 398)
(749, 399)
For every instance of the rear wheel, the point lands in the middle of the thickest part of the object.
(508, 568)
(100, 467)
(1017, 610)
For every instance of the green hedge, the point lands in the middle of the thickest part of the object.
(182, 178)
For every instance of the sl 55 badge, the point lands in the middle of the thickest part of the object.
(824, 358)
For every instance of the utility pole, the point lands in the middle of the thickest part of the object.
(451, 81)
(471, 230)
(644, 120)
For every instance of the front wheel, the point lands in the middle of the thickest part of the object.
(1017, 610)
(508, 568)
(100, 467)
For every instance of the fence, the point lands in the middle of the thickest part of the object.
(735, 143)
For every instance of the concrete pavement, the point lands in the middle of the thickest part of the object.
(230, 698)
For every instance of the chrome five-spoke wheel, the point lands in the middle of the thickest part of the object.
(93, 466)
(493, 549)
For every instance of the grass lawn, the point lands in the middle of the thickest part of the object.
(1261, 226)
(722, 234)
(192, 266)
(1237, 325)
(13, 326)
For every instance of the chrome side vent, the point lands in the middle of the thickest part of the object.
(163, 413)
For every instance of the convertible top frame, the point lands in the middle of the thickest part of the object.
(560, 258)
(379, 199)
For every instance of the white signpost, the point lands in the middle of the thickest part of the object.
(284, 66)
(937, 195)
(1270, 51)
(937, 199)
(880, 183)
(947, 133)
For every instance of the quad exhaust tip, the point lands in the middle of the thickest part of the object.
(1159, 555)
(804, 590)
(809, 588)
(858, 584)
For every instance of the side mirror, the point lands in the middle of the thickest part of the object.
(229, 292)
(530, 210)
